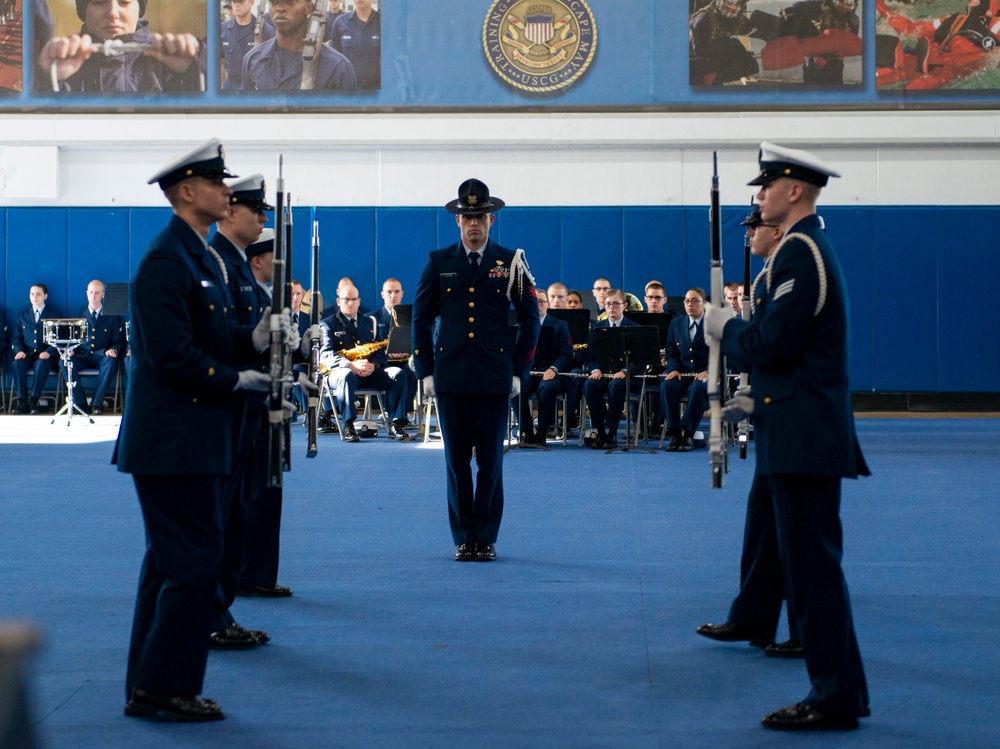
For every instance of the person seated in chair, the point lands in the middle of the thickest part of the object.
(31, 350)
(606, 418)
(385, 320)
(345, 330)
(687, 354)
(103, 349)
(548, 385)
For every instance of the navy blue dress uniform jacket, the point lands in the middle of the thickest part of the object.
(262, 70)
(109, 333)
(337, 335)
(473, 349)
(798, 347)
(563, 361)
(28, 335)
(683, 354)
(186, 346)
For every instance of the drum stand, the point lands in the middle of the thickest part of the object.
(65, 349)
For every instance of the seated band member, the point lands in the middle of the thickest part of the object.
(392, 294)
(687, 354)
(606, 418)
(574, 300)
(656, 297)
(547, 385)
(104, 346)
(344, 330)
(31, 350)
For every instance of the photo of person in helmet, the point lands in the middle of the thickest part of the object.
(811, 18)
(116, 49)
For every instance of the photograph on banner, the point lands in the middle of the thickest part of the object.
(11, 46)
(937, 44)
(776, 43)
(301, 45)
(124, 46)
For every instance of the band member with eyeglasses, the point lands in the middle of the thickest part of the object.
(687, 354)
(655, 297)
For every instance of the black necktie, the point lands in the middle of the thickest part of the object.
(295, 319)
(474, 261)
(37, 315)
(694, 330)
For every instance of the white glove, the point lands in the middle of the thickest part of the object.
(303, 381)
(737, 408)
(429, 390)
(716, 319)
(292, 337)
(251, 379)
(313, 332)
(261, 336)
(515, 387)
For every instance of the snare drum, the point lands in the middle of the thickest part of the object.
(64, 331)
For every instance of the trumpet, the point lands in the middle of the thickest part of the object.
(361, 351)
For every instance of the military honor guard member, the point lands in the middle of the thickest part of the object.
(472, 366)
(31, 350)
(178, 436)
(797, 350)
(103, 350)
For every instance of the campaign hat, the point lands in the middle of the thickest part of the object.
(81, 8)
(263, 245)
(207, 160)
(474, 199)
(753, 219)
(250, 191)
(777, 161)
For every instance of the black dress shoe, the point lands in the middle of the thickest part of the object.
(146, 705)
(96, 411)
(600, 443)
(350, 435)
(526, 438)
(786, 649)
(265, 591)
(35, 408)
(396, 431)
(675, 444)
(234, 637)
(465, 553)
(733, 632)
(804, 717)
(325, 424)
(687, 444)
(22, 408)
(486, 552)
(610, 442)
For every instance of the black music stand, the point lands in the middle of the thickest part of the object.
(578, 322)
(116, 299)
(545, 350)
(625, 348)
(404, 315)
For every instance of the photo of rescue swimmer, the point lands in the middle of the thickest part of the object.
(133, 46)
(11, 50)
(301, 45)
(937, 44)
(776, 42)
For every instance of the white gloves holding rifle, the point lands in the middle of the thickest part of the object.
(715, 320)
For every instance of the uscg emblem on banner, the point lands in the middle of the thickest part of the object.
(540, 45)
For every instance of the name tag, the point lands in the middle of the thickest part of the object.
(448, 275)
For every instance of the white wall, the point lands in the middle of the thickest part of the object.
(888, 158)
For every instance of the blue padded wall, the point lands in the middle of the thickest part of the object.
(968, 321)
(906, 300)
(911, 284)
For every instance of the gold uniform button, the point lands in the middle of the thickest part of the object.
(472, 288)
(225, 309)
(211, 371)
(416, 352)
(472, 319)
(194, 400)
(472, 304)
(767, 400)
(472, 335)
(759, 300)
(211, 306)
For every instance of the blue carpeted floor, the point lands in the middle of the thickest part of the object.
(581, 635)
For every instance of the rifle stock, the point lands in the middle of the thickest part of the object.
(743, 435)
(315, 32)
(258, 29)
(276, 431)
(315, 311)
(716, 366)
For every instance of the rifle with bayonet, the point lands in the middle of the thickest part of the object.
(258, 29)
(315, 377)
(716, 360)
(743, 435)
(276, 418)
(311, 52)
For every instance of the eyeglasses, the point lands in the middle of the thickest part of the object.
(694, 301)
(614, 304)
(602, 288)
(655, 298)
(350, 299)
(542, 301)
